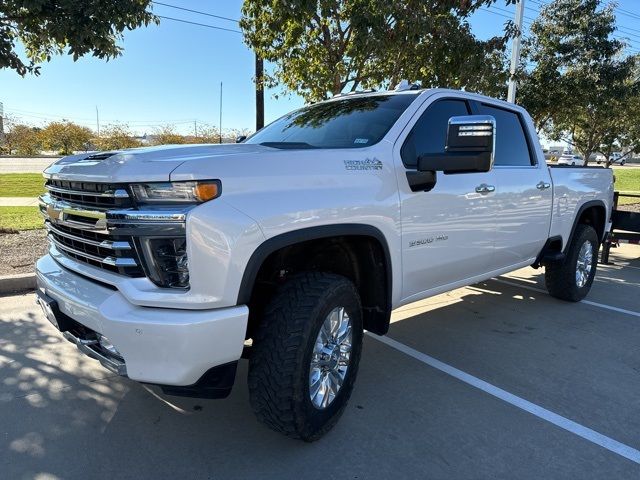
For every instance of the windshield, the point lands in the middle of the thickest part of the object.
(349, 122)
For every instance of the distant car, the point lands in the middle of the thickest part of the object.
(570, 160)
(616, 157)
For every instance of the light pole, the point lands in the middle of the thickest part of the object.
(515, 52)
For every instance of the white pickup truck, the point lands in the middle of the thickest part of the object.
(170, 264)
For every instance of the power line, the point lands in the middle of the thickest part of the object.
(199, 24)
(46, 116)
(509, 12)
(629, 32)
(628, 13)
(197, 11)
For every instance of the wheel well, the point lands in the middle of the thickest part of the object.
(360, 258)
(594, 216)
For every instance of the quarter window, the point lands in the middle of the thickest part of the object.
(512, 148)
(429, 134)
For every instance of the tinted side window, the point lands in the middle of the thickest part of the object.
(429, 134)
(511, 143)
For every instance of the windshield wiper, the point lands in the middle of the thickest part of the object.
(287, 145)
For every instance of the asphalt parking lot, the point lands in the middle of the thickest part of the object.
(497, 380)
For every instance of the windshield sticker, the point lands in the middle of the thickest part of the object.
(361, 140)
(367, 164)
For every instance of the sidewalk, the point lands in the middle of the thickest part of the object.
(18, 202)
(25, 165)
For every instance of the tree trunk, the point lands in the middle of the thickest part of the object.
(337, 84)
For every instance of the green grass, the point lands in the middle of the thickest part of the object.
(20, 218)
(21, 184)
(627, 180)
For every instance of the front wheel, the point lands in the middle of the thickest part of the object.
(572, 279)
(306, 355)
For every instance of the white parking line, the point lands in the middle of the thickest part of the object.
(587, 302)
(540, 412)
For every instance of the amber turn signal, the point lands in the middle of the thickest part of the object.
(205, 191)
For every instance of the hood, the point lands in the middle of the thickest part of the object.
(150, 164)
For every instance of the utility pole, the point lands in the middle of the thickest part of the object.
(2, 122)
(515, 52)
(259, 92)
(195, 128)
(97, 121)
(220, 112)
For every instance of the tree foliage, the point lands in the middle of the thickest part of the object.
(79, 27)
(20, 138)
(65, 137)
(167, 135)
(580, 84)
(204, 134)
(325, 47)
(116, 137)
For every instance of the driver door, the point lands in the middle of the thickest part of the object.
(448, 233)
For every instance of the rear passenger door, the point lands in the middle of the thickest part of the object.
(523, 199)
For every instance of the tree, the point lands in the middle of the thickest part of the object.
(205, 134)
(579, 84)
(323, 47)
(49, 27)
(116, 137)
(65, 137)
(19, 138)
(23, 140)
(167, 135)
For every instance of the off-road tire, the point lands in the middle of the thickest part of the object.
(282, 348)
(560, 278)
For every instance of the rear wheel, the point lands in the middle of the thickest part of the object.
(572, 279)
(306, 355)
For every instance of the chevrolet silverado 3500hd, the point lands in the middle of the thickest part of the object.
(168, 264)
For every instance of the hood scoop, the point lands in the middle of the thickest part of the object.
(99, 156)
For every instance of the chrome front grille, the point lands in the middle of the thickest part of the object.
(99, 224)
(90, 194)
(100, 250)
(76, 221)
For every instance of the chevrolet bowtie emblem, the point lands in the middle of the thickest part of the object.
(53, 212)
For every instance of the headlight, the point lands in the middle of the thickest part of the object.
(176, 192)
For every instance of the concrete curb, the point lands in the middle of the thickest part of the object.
(17, 283)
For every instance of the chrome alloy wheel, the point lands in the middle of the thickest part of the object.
(330, 358)
(584, 264)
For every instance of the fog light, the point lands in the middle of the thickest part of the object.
(106, 344)
(166, 261)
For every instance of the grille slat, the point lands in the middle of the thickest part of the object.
(90, 194)
(71, 237)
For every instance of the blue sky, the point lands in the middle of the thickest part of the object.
(171, 73)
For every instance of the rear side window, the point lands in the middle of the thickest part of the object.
(512, 148)
(429, 134)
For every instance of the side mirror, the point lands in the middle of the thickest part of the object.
(470, 147)
(241, 138)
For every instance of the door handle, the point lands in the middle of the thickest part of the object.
(543, 185)
(484, 188)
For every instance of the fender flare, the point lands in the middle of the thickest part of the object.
(581, 210)
(277, 242)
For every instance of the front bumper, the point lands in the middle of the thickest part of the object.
(164, 346)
